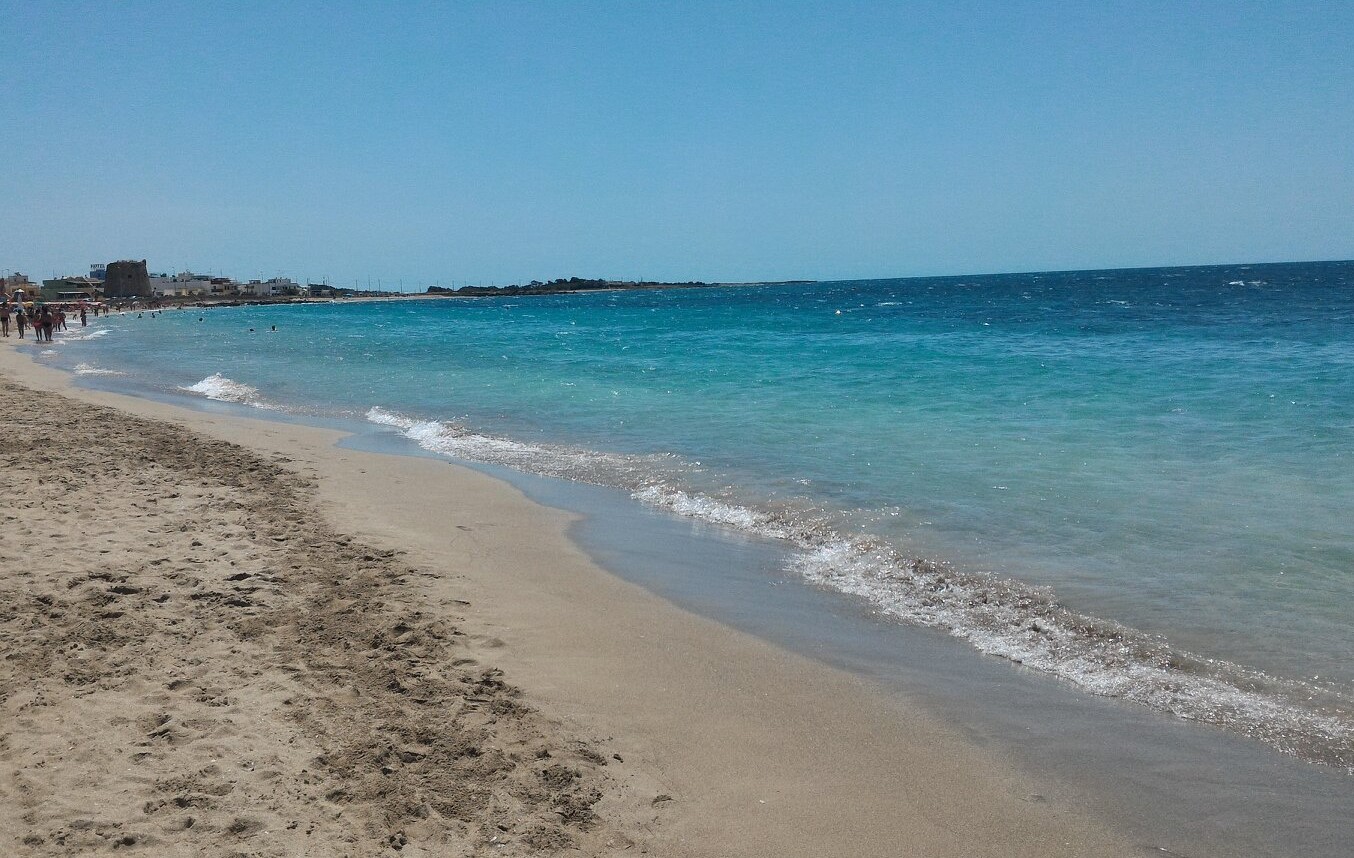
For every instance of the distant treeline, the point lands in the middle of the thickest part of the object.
(573, 284)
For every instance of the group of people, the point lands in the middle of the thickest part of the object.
(43, 319)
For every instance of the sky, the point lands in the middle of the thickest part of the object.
(410, 143)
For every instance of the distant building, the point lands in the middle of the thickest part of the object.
(98, 272)
(269, 288)
(181, 285)
(223, 287)
(127, 279)
(17, 281)
(73, 288)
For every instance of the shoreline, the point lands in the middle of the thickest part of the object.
(762, 752)
(1009, 616)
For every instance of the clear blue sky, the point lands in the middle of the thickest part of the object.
(484, 141)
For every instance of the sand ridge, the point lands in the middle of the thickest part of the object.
(195, 663)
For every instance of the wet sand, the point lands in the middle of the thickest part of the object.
(229, 636)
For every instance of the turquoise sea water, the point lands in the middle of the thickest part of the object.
(1139, 481)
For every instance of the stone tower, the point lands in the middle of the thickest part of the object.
(126, 279)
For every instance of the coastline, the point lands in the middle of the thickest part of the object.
(761, 752)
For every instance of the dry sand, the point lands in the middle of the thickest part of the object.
(227, 636)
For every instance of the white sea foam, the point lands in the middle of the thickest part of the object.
(79, 334)
(222, 389)
(1001, 617)
(90, 369)
(572, 463)
(1028, 626)
(711, 510)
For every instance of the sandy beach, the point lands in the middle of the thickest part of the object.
(228, 636)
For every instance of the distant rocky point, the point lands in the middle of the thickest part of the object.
(580, 284)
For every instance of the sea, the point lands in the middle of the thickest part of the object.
(1138, 483)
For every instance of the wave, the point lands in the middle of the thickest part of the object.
(79, 334)
(1027, 625)
(571, 463)
(90, 369)
(216, 386)
(1000, 617)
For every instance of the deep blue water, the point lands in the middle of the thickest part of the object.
(1139, 481)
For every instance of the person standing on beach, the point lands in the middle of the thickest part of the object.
(4, 319)
(83, 323)
(45, 320)
(19, 319)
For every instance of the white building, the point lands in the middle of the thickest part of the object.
(269, 288)
(182, 285)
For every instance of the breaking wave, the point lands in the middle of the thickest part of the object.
(570, 463)
(1020, 622)
(78, 334)
(90, 369)
(222, 389)
(1028, 625)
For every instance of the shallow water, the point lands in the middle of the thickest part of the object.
(1137, 481)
